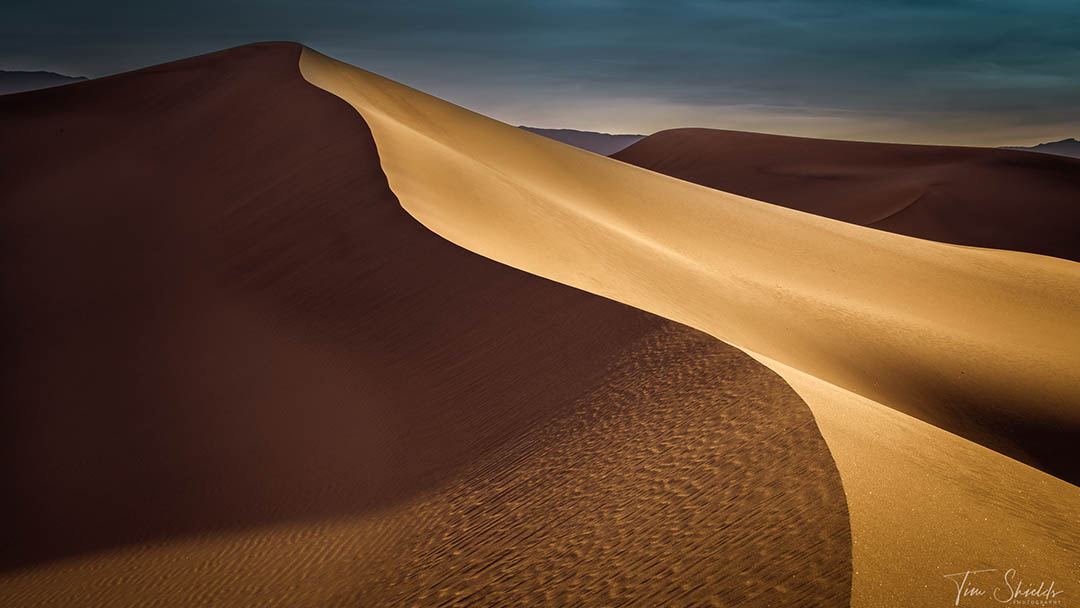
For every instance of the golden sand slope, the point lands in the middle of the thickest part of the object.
(972, 340)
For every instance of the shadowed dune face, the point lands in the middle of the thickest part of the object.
(217, 316)
(966, 196)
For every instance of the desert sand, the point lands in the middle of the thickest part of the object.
(967, 196)
(934, 371)
(252, 356)
(237, 372)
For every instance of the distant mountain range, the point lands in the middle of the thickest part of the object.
(17, 82)
(1065, 147)
(600, 143)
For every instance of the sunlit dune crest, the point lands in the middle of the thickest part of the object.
(929, 367)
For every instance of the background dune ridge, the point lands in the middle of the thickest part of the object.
(979, 342)
(968, 196)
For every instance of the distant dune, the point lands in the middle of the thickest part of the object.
(17, 82)
(968, 196)
(600, 143)
(237, 372)
(1064, 147)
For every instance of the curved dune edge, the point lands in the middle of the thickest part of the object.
(631, 496)
(924, 502)
(298, 395)
(697, 256)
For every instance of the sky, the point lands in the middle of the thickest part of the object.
(970, 72)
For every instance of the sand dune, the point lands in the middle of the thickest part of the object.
(967, 196)
(895, 319)
(880, 333)
(238, 373)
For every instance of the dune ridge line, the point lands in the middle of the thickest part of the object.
(884, 336)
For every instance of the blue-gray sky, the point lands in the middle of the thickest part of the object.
(979, 72)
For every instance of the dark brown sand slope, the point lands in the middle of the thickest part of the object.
(968, 196)
(217, 316)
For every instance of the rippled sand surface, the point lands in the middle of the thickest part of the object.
(243, 375)
(915, 356)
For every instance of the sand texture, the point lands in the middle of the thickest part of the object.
(934, 371)
(237, 372)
